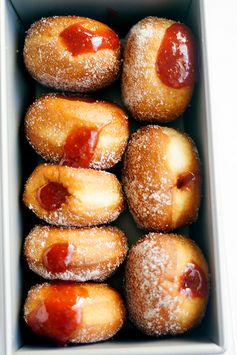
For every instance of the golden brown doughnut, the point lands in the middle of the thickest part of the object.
(75, 254)
(78, 131)
(67, 196)
(161, 178)
(159, 69)
(72, 53)
(166, 284)
(74, 313)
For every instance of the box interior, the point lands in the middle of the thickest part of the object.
(21, 160)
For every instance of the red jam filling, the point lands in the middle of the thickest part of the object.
(78, 40)
(185, 180)
(52, 195)
(57, 257)
(176, 63)
(193, 282)
(80, 146)
(59, 315)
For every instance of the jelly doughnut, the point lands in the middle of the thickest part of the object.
(161, 178)
(72, 53)
(166, 284)
(159, 69)
(81, 254)
(79, 132)
(67, 196)
(74, 313)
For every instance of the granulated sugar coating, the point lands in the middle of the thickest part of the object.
(50, 63)
(157, 160)
(94, 253)
(144, 94)
(100, 310)
(94, 197)
(53, 119)
(154, 268)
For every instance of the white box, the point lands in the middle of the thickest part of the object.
(17, 91)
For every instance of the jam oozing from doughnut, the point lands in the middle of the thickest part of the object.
(52, 195)
(59, 315)
(57, 257)
(184, 180)
(176, 59)
(80, 146)
(78, 39)
(193, 282)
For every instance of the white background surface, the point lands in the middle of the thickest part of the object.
(222, 56)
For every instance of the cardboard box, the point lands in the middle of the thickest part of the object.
(18, 160)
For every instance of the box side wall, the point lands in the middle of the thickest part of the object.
(151, 347)
(199, 126)
(217, 139)
(2, 114)
(16, 98)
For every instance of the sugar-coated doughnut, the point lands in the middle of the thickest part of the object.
(74, 313)
(77, 131)
(159, 69)
(166, 284)
(75, 254)
(72, 53)
(67, 196)
(161, 178)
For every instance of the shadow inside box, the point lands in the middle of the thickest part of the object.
(127, 335)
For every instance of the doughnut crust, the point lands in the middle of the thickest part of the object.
(52, 64)
(154, 271)
(144, 94)
(92, 254)
(93, 197)
(100, 309)
(161, 178)
(53, 117)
